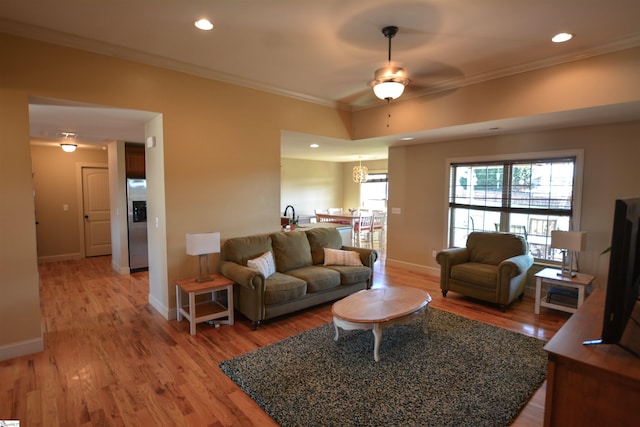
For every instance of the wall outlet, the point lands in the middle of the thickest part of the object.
(434, 253)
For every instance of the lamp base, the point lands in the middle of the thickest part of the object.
(567, 264)
(203, 276)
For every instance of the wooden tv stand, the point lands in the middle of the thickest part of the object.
(590, 385)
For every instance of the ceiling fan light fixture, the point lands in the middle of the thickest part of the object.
(389, 82)
(68, 148)
(388, 90)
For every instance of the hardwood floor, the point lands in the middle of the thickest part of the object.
(111, 359)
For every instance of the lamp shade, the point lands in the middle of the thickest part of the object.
(570, 240)
(388, 89)
(203, 243)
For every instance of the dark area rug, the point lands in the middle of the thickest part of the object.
(463, 373)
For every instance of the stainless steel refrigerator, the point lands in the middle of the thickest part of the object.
(137, 222)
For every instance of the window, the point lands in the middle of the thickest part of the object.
(530, 197)
(373, 192)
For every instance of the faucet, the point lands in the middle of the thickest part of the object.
(293, 212)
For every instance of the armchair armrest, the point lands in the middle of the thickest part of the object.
(512, 267)
(447, 258)
(512, 276)
(240, 274)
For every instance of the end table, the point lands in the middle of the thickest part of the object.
(580, 282)
(209, 310)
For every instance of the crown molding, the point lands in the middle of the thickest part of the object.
(72, 41)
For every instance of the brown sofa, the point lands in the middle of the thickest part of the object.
(492, 267)
(301, 279)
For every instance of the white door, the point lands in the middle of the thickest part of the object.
(97, 223)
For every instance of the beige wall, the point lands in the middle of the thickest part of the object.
(220, 160)
(219, 165)
(55, 182)
(20, 328)
(310, 184)
(419, 179)
(596, 81)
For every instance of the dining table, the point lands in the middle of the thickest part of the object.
(352, 219)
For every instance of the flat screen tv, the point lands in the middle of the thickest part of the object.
(623, 282)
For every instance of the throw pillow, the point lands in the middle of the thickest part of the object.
(340, 257)
(263, 264)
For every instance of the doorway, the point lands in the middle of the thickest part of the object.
(95, 211)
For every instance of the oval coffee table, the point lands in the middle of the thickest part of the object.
(375, 309)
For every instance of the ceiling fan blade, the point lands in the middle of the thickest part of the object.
(433, 76)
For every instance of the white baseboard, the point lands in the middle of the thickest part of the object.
(21, 348)
(431, 271)
(61, 257)
(120, 270)
(164, 311)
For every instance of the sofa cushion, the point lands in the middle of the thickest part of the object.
(317, 278)
(263, 264)
(485, 275)
(291, 250)
(242, 249)
(493, 248)
(339, 257)
(280, 288)
(352, 275)
(320, 238)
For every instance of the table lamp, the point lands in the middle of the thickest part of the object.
(203, 244)
(569, 242)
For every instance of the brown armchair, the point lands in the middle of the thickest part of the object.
(492, 267)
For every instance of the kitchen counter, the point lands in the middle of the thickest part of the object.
(345, 230)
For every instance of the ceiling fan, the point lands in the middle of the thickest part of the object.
(389, 82)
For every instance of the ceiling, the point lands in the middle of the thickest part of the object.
(325, 52)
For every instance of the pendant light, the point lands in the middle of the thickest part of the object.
(360, 173)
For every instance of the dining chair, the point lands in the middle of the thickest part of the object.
(323, 218)
(378, 227)
(363, 228)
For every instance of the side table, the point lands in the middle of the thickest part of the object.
(209, 310)
(580, 282)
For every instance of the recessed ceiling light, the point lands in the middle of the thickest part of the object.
(562, 37)
(204, 24)
(314, 146)
(407, 138)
